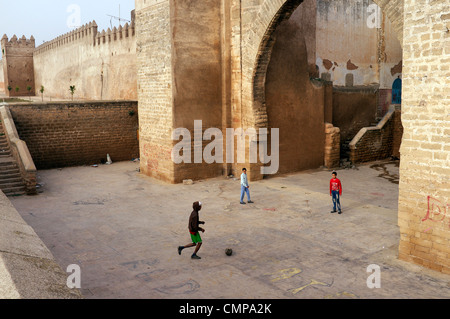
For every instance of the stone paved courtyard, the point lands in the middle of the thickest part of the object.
(123, 230)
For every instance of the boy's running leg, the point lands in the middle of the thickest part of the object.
(180, 249)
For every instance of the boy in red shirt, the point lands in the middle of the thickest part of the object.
(336, 192)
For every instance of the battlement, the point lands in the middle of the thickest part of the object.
(87, 33)
(18, 70)
(116, 34)
(18, 43)
(90, 35)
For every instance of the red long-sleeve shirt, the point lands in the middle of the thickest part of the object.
(335, 185)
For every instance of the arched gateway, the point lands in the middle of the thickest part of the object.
(208, 60)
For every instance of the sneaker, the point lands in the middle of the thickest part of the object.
(333, 212)
(340, 212)
(242, 203)
(180, 249)
(250, 202)
(195, 257)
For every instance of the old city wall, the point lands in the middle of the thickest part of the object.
(2, 78)
(155, 83)
(18, 65)
(354, 40)
(226, 80)
(181, 64)
(247, 35)
(424, 197)
(294, 103)
(78, 133)
(101, 65)
(196, 54)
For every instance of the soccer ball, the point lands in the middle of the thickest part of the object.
(229, 251)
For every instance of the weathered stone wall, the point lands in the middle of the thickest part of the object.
(424, 197)
(2, 78)
(332, 146)
(18, 65)
(259, 20)
(101, 65)
(155, 83)
(295, 104)
(353, 109)
(196, 62)
(424, 172)
(353, 39)
(71, 134)
(222, 61)
(374, 143)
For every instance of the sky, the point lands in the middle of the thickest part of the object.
(48, 19)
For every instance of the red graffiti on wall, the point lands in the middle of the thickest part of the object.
(437, 211)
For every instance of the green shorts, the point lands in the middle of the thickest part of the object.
(196, 239)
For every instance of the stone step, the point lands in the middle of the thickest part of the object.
(14, 191)
(11, 176)
(8, 168)
(5, 154)
(7, 161)
(12, 187)
(13, 182)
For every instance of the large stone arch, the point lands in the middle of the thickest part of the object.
(258, 43)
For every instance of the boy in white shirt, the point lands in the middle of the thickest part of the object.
(245, 188)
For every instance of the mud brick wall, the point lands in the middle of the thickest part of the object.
(332, 146)
(74, 134)
(376, 144)
(353, 109)
(18, 65)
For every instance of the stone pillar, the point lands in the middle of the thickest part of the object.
(424, 195)
(332, 146)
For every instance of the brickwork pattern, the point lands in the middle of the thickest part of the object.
(154, 56)
(332, 146)
(18, 65)
(72, 134)
(259, 20)
(424, 197)
(376, 144)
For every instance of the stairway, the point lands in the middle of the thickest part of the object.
(345, 148)
(11, 181)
